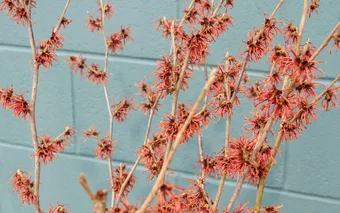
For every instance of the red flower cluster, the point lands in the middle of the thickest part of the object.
(12, 101)
(48, 147)
(120, 110)
(238, 160)
(119, 175)
(104, 147)
(92, 71)
(150, 96)
(17, 10)
(21, 182)
(152, 154)
(116, 40)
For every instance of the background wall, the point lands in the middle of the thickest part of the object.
(306, 178)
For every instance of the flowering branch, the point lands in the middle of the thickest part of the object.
(178, 139)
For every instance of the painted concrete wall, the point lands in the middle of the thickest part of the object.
(306, 178)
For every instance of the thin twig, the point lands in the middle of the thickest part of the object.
(56, 29)
(178, 139)
(217, 8)
(325, 43)
(107, 97)
(301, 27)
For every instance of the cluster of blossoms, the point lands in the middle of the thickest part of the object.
(49, 147)
(118, 177)
(114, 43)
(16, 102)
(17, 10)
(22, 184)
(104, 147)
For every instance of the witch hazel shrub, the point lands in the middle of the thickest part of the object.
(285, 100)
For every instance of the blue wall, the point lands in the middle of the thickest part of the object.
(304, 180)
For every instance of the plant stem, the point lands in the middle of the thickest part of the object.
(56, 29)
(178, 139)
(107, 99)
(236, 193)
(32, 112)
(301, 27)
(325, 43)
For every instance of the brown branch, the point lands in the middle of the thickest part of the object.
(98, 199)
(325, 43)
(178, 139)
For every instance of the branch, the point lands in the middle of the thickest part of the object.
(301, 27)
(98, 199)
(325, 43)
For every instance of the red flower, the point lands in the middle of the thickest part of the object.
(331, 96)
(21, 182)
(208, 165)
(91, 132)
(290, 131)
(6, 96)
(277, 53)
(114, 42)
(95, 24)
(65, 22)
(118, 177)
(20, 106)
(256, 123)
(76, 63)
(96, 76)
(307, 110)
(291, 33)
(120, 110)
(166, 28)
(274, 102)
(125, 33)
(299, 66)
(55, 40)
(105, 148)
(20, 15)
(108, 10)
(169, 127)
(46, 56)
(306, 89)
(46, 149)
(313, 6)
